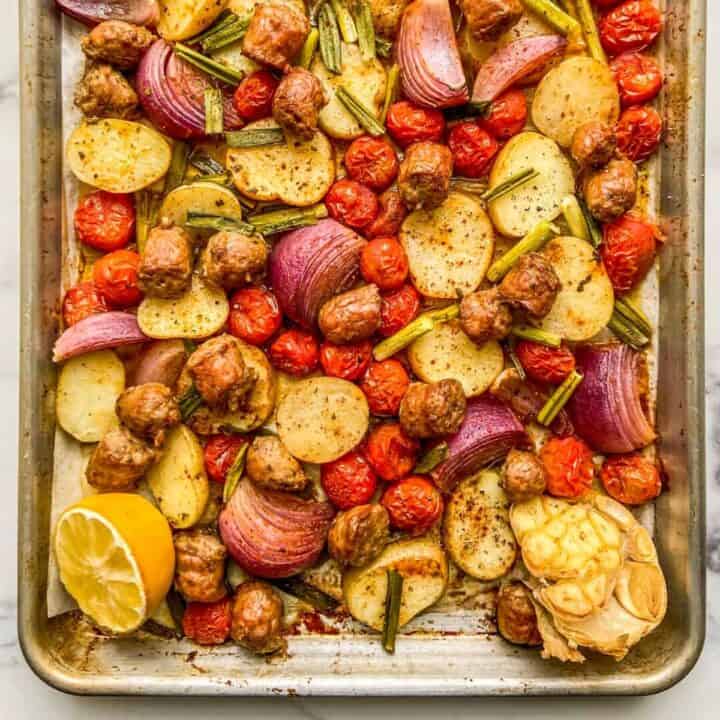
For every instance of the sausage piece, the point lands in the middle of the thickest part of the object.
(270, 465)
(117, 43)
(484, 316)
(166, 265)
(531, 285)
(233, 259)
(488, 19)
(351, 316)
(391, 215)
(593, 144)
(431, 409)
(522, 476)
(257, 617)
(148, 410)
(357, 536)
(105, 93)
(297, 102)
(119, 461)
(199, 566)
(424, 177)
(612, 191)
(275, 35)
(516, 617)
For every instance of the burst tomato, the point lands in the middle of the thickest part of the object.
(638, 132)
(82, 301)
(507, 116)
(473, 149)
(372, 162)
(348, 362)
(352, 204)
(390, 452)
(630, 479)
(407, 123)
(295, 352)
(545, 364)
(568, 466)
(384, 262)
(633, 25)
(639, 78)
(116, 278)
(105, 221)
(208, 623)
(254, 95)
(628, 251)
(398, 308)
(348, 481)
(384, 384)
(220, 453)
(605, 4)
(413, 504)
(390, 216)
(254, 315)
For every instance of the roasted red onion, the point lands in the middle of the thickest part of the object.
(92, 12)
(159, 362)
(606, 408)
(273, 534)
(310, 265)
(431, 71)
(98, 332)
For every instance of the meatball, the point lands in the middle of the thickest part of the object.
(119, 461)
(257, 617)
(424, 177)
(357, 536)
(593, 144)
(166, 265)
(488, 19)
(387, 15)
(232, 259)
(275, 35)
(516, 617)
(271, 466)
(484, 316)
(148, 410)
(199, 566)
(297, 101)
(531, 285)
(429, 410)
(105, 93)
(351, 316)
(522, 476)
(117, 43)
(220, 374)
(612, 191)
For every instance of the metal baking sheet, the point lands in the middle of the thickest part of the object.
(69, 655)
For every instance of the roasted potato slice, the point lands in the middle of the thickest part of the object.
(181, 19)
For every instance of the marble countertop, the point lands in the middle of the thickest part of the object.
(24, 696)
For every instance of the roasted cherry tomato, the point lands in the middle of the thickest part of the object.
(116, 278)
(390, 216)
(639, 130)
(543, 363)
(633, 25)
(220, 453)
(638, 77)
(254, 315)
(372, 162)
(348, 481)
(507, 116)
(390, 452)
(473, 149)
(348, 362)
(398, 308)
(568, 466)
(605, 4)
(628, 250)
(352, 204)
(105, 221)
(630, 479)
(82, 301)
(408, 123)
(208, 623)
(384, 262)
(295, 352)
(414, 504)
(384, 385)
(254, 95)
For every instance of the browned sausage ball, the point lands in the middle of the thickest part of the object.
(148, 410)
(232, 259)
(270, 465)
(166, 265)
(105, 93)
(424, 177)
(531, 285)
(484, 316)
(516, 617)
(593, 144)
(612, 191)
(119, 461)
(357, 536)
(297, 102)
(488, 19)
(118, 43)
(522, 476)
(351, 316)
(257, 618)
(199, 565)
(275, 35)
(431, 409)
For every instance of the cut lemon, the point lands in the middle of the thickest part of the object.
(116, 558)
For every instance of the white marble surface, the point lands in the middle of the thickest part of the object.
(22, 695)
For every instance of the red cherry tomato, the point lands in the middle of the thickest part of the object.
(639, 130)
(390, 216)
(568, 466)
(398, 308)
(348, 362)
(372, 162)
(639, 78)
(413, 504)
(507, 116)
(385, 383)
(605, 4)
(633, 25)
(408, 123)
(105, 221)
(254, 315)
(348, 481)
(253, 97)
(545, 364)
(208, 623)
(116, 278)
(82, 301)
(384, 262)
(352, 204)
(220, 453)
(628, 250)
(473, 149)
(630, 479)
(390, 452)
(295, 352)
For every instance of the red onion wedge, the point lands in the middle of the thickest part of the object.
(311, 265)
(512, 63)
(92, 12)
(431, 71)
(161, 361)
(606, 408)
(98, 332)
(273, 534)
(172, 94)
(488, 433)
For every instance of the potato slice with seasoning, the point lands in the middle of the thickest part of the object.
(181, 19)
